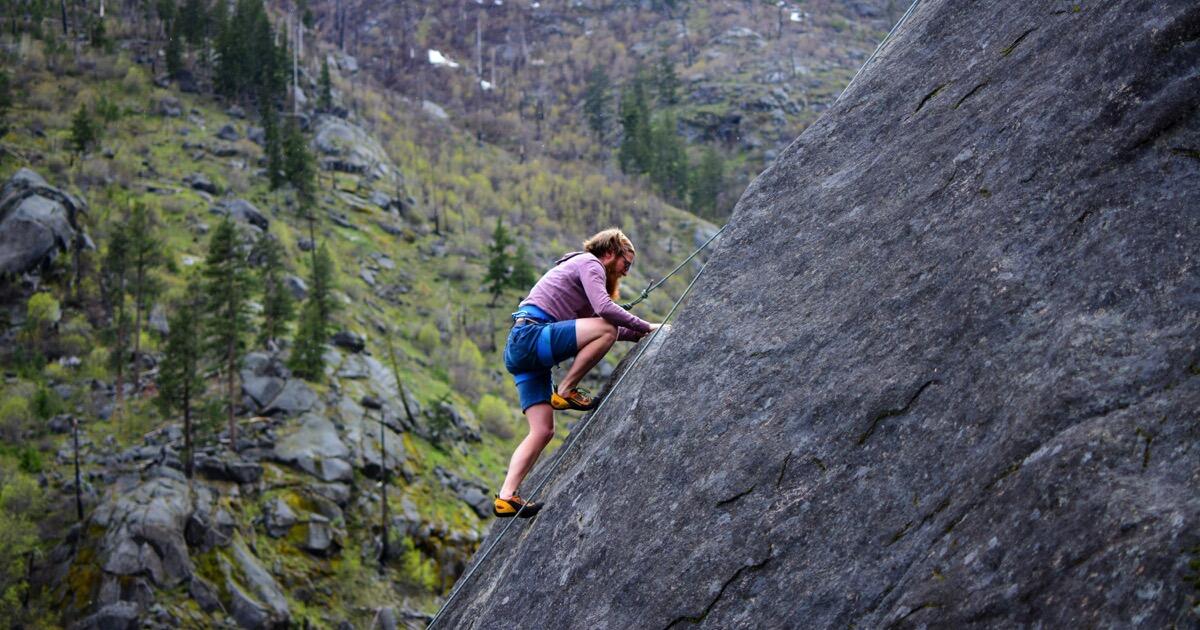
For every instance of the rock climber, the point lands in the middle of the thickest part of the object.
(570, 312)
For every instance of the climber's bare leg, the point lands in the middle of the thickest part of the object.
(594, 337)
(541, 430)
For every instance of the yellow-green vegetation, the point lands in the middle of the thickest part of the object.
(428, 299)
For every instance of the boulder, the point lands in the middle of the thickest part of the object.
(257, 601)
(201, 182)
(243, 211)
(278, 518)
(295, 397)
(169, 106)
(351, 341)
(348, 148)
(296, 285)
(229, 133)
(313, 445)
(144, 531)
(37, 223)
(940, 372)
(115, 616)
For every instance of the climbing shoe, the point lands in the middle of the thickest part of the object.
(577, 399)
(508, 508)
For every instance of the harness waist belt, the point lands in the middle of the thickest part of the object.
(532, 312)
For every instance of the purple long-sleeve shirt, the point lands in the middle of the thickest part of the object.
(575, 288)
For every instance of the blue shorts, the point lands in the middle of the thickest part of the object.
(531, 350)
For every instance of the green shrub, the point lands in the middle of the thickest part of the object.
(46, 403)
(30, 460)
(428, 338)
(14, 416)
(465, 365)
(495, 416)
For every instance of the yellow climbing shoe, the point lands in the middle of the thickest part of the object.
(577, 399)
(514, 506)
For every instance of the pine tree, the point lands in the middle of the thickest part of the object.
(316, 320)
(298, 166)
(667, 83)
(278, 309)
(499, 263)
(227, 288)
(668, 161)
(116, 278)
(145, 254)
(84, 132)
(179, 379)
(597, 102)
(5, 102)
(326, 100)
(174, 52)
(194, 18)
(274, 146)
(634, 152)
(523, 274)
(707, 181)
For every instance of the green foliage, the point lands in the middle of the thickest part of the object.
(707, 182)
(46, 403)
(316, 320)
(174, 52)
(42, 314)
(668, 158)
(107, 110)
(499, 269)
(634, 152)
(466, 362)
(194, 20)
(273, 146)
(307, 359)
(325, 102)
(179, 378)
(5, 102)
(299, 168)
(15, 416)
(249, 64)
(428, 338)
(416, 570)
(98, 34)
(227, 287)
(667, 82)
(597, 102)
(21, 508)
(278, 307)
(29, 460)
(523, 274)
(495, 416)
(84, 131)
(144, 250)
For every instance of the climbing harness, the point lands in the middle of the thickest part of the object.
(574, 437)
(654, 285)
(878, 48)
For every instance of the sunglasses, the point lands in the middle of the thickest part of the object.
(628, 263)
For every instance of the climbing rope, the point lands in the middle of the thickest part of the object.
(654, 285)
(878, 48)
(574, 437)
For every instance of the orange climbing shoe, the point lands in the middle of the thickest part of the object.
(508, 508)
(577, 399)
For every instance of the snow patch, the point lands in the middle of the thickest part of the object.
(487, 85)
(796, 16)
(438, 59)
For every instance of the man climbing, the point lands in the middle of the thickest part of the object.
(571, 311)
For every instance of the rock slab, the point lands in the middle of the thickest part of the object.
(942, 370)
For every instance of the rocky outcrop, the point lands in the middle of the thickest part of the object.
(37, 222)
(942, 370)
(343, 146)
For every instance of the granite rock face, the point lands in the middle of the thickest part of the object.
(942, 369)
(37, 222)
